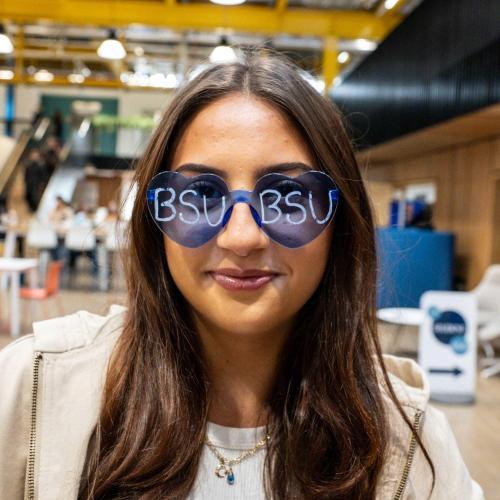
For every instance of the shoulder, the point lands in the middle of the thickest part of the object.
(74, 333)
(15, 362)
(452, 477)
(411, 387)
(75, 350)
(78, 331)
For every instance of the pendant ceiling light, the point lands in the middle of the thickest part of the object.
(228, 2)
(111, 48)
(5, 43)
(223, 53)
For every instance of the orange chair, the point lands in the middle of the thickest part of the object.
(50, 289)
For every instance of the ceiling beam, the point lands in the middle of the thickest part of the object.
(330, 65)
(245, 18)
(63, 82)
(281, 5)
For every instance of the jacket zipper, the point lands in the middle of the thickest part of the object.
(32, 446)
(409, 457)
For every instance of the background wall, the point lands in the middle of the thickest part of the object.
(468, 198)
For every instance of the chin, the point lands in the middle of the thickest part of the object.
(238, 326)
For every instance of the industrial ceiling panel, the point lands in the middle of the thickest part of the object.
(364, 5)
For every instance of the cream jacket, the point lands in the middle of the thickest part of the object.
(50, 387)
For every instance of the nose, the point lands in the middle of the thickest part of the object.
(241, 233)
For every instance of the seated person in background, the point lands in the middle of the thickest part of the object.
(62, 212)
(8, 217)
(61, 218)
(112, 212)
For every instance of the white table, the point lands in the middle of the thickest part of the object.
(404, 316)
(13, 267)
(414, 317)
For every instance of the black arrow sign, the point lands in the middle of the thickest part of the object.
(446, 371)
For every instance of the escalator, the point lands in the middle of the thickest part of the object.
(17, 152)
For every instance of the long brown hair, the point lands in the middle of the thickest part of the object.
(329, 427)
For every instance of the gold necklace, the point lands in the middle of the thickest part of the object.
(224, 469)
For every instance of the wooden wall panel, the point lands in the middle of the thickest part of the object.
(466, 179)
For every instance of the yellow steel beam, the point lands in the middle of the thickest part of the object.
(62, 81)
(256, 19)
(18, 53)
(281, 5)
(330, 67)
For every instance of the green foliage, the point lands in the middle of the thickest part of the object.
(111, 122)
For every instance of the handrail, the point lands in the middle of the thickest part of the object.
(10, 165)
(12, 161)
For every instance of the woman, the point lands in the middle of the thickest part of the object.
(247, 364)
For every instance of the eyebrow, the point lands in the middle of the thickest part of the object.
(276, 168)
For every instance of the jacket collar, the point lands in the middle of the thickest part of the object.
(75, 330)
(408, 381)
(83, 328)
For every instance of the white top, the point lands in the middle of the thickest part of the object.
(248, 475)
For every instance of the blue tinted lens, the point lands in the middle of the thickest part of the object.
(294, 211)
(291, 211)
(189, 210)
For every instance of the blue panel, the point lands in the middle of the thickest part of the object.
(10, 110)
(411, 262)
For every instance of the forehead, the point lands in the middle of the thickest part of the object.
(240, 135)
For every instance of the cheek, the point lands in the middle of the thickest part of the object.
(183, 264)
(307, 266)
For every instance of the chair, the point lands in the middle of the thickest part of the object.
(9, 250)
(80, 238)
(488, 290)
(487, 333)
(114, 241)
(50, 290)
(487, 293)
(9, 246)
(43, 237)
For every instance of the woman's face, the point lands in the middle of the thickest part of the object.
(240, 135)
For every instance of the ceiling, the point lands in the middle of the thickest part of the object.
(169, 37)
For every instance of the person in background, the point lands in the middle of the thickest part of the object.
(8, 217)
(112, 216)
(37, 116)
(58, 125)
(34, 179)
(62, 212)
(3, 213)
(51, 154)
(422, 214)
(61, 217)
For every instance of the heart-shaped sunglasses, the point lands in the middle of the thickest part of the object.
(292, 211)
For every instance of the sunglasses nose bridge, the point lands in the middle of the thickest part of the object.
(241, 231)
(229, 213)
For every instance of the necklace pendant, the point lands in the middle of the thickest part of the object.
(222, 470)
(230, 477)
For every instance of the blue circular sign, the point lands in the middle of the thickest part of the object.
(450, 328)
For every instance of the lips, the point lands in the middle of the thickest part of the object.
(242, 279)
